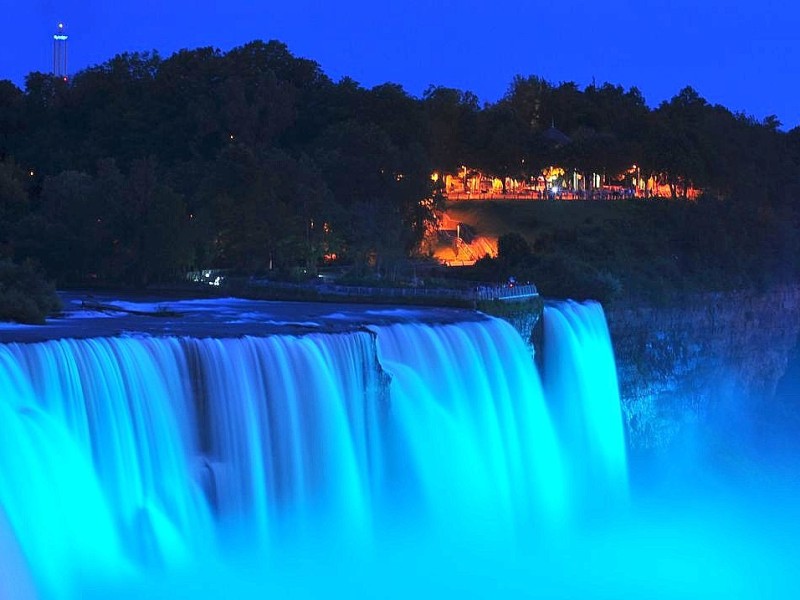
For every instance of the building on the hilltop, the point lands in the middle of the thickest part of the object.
(555, 137)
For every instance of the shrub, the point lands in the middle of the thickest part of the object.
(25, 295)
(513, 249)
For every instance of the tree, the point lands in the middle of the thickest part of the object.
(11, 120)
(399, 115)
(503, 142)
(380, 190)
(253, 209)
(513, 249)
(188, 93)
(529, 100)
(678, 144)
(116, 112)
(13, 206)
(25, 295)
(157, 240)
(452, 127)
(68, 246)
(46, 104)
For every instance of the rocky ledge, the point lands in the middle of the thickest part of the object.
(712, 358)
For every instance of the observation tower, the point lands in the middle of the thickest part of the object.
(60, 38)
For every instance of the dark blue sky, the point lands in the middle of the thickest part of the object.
(742, 54)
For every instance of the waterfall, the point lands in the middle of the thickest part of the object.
(471, 418)
(580, 379)
(124, 454)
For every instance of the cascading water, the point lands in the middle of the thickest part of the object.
(133, 454)
(580, 378)
(471, 420)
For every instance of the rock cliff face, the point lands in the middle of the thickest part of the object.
(715, 358)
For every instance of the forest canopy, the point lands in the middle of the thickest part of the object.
(142, 168)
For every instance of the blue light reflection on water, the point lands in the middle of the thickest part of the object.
(431, 462)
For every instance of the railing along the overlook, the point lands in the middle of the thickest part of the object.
(506, 292)
(478, 293)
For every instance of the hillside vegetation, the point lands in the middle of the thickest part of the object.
(635, 248)
(135, 171)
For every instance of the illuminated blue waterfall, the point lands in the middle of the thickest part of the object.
(581, 381)
(469, 411)
(135, 453)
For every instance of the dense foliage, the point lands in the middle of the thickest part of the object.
(141, 168)
(25, 295)
(650, 250)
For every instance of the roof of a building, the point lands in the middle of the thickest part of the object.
(555, 136)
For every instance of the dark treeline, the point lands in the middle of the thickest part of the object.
(139, 169)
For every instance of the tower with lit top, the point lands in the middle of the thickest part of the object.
(60, 52)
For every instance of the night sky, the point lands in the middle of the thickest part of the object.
(743, 55)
